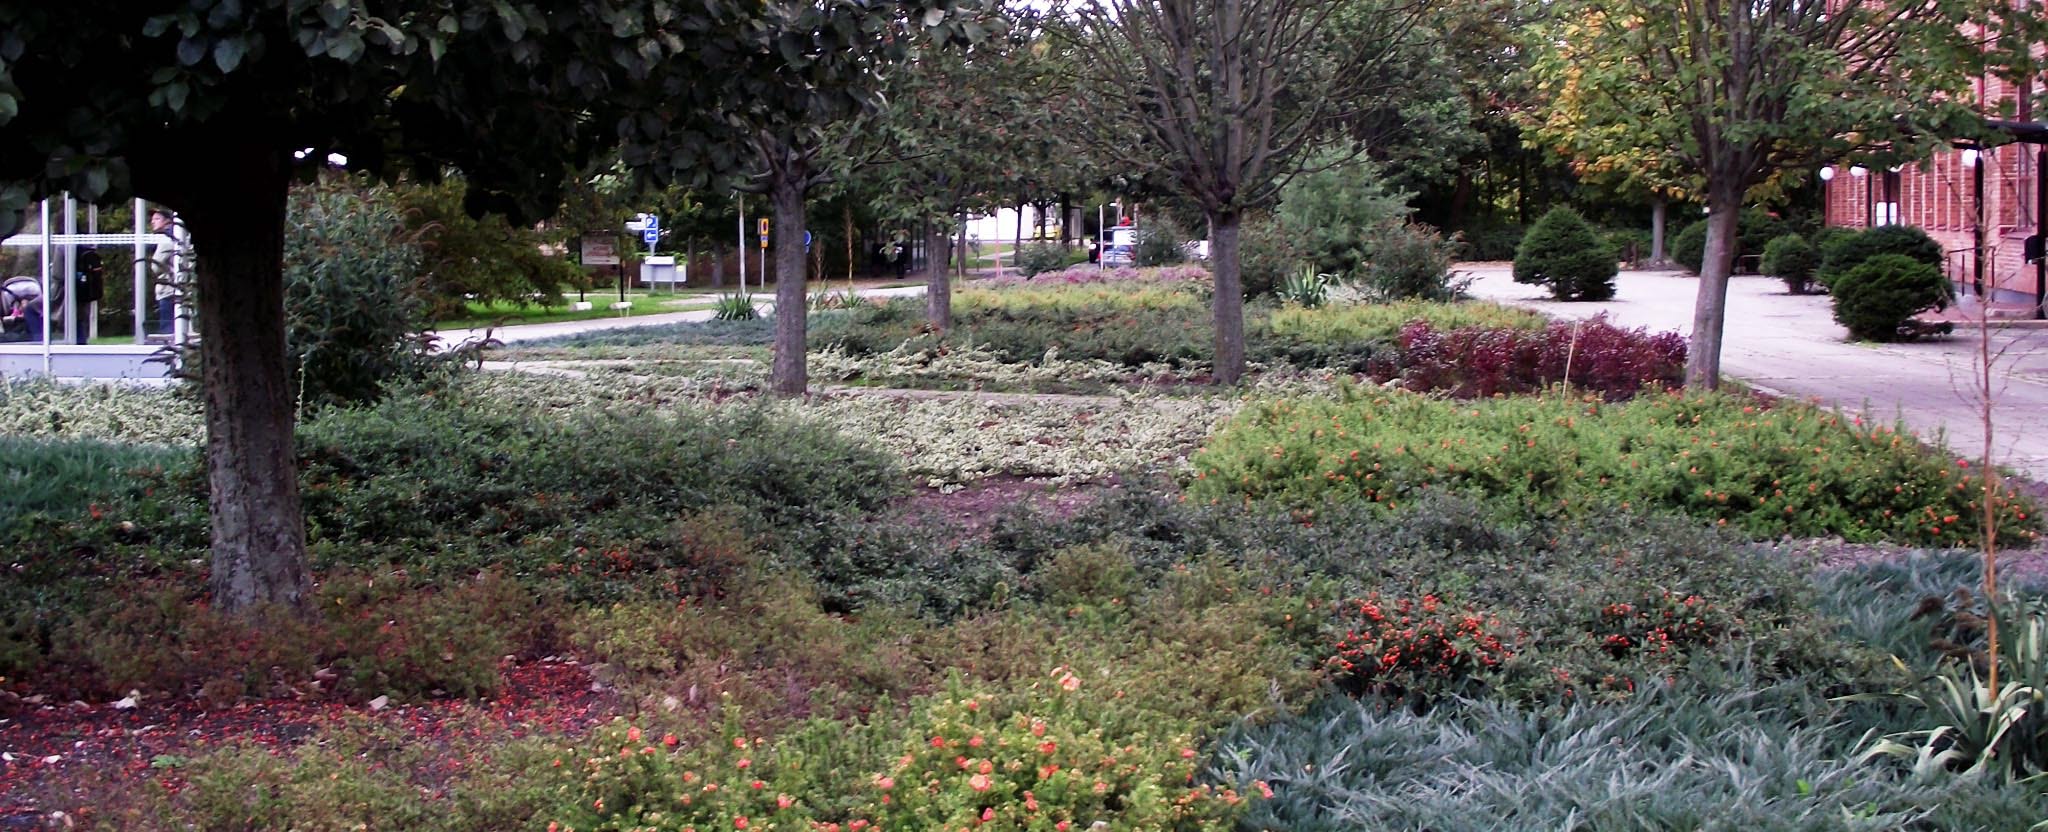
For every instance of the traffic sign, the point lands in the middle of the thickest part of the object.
(653, 222)
(764, 226)
(650, 236)
(807, 240)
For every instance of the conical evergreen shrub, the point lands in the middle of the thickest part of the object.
(1563, 251)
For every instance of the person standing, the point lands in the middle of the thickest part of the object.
(167, 265)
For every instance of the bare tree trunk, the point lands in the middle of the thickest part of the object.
(1016, 245)
(259, 534)
(938, 285)
(1710, 311)
(789, 376)
(1229, 300)
(1659, 210)
(717, 267)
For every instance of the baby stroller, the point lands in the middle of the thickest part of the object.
(21, 310)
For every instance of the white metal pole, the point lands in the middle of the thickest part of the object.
(1101, 238)
(180, 324)
(92, 309)
(70, 270)
(46, 286)
(141, 280)
(742, 250)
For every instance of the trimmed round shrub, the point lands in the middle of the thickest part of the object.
(1563, 251)
(1689, 247)
(1844, 253)
(1792, 259)
(1878, 298)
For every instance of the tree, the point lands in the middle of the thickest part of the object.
(1225, 98)
(807, 70)
(201, 105)
(1741, 91)
(950, 127)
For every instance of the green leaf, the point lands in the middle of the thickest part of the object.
(191, 51)
(227, 54)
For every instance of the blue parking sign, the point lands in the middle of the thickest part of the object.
(651, 236)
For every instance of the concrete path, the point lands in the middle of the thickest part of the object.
(530, 332)
(1791, 345)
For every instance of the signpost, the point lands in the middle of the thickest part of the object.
(595, 250)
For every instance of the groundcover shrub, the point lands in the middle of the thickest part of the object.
(1767, 471)
(1043, 759)
(1766, 758)
(594, 503)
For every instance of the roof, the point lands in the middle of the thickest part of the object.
(2029, 132)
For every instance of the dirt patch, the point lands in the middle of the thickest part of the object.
(977, 506)
(45, 746)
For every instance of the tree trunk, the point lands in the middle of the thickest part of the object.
(259, 533)
(1229, 301)
(1659, 210)
(717, 267)
(1016, 245)
(1703, 361)
(938, 285)
(789, 377)
(961, 253)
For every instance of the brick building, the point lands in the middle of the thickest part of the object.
(1943, 196)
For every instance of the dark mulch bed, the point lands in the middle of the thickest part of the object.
(45, 748)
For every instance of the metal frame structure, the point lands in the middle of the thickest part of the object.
(140, 360)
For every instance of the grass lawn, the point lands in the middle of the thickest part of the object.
(485, 314)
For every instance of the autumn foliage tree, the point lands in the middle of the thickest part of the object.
(1733, 92)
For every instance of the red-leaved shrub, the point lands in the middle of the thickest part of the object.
(1596, 356)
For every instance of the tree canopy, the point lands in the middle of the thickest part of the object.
(202, 105)
(1723, 96)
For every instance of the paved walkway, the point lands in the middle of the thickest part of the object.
(531, 332)
(1791, 345)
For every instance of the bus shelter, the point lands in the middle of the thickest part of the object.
(60, 336)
